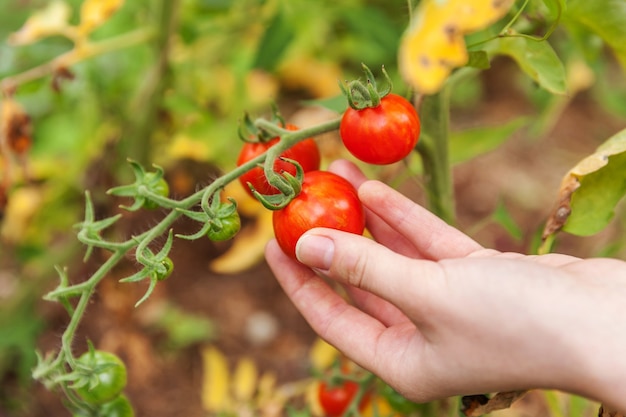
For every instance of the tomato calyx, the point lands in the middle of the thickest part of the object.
(99, 376)
(220, 220)
(150, 190)
(250, 132)
(288, 185)
(361, 95)
(156, 266)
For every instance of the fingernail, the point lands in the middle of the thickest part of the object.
(315, 251)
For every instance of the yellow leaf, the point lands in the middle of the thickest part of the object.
(322, 355)
(312, 399)
(379, 407)
(433, 45)
(50, 21)
(184, 147)
(22, 205)
(216, 380)
(248, 246)
(245, 380)
(305, 72)
(94, 13)
(267, 388)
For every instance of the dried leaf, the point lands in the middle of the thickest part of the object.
(477, 405)
(216, 380)
(608, 412)
(15, 127)
(94, 13)
(248, 245)
(245, 380)
(592, 188)
(49, 21)
(22, 205)
(434, 45)
(322, 355)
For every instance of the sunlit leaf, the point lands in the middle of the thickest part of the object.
(469, 143)
(94, 13)
(215, 381)
(49, 21)
(277, 36)
(318, 77)
(605, 18)
(590, 191)
(433, 45)
(537, 59)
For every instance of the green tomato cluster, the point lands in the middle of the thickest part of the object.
(107, 379)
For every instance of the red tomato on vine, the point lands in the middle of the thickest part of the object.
(335, 399)
(306, 153)
(383, 134)
(326, 200)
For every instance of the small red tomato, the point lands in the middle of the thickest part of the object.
(383, 134)
(305, 152)
(326, 200)
(336, 399)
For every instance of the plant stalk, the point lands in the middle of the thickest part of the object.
(433, 149)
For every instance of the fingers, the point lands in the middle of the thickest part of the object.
(402, 225)
(349, 171)
(431, 237)
(362, 263)
(342, 325)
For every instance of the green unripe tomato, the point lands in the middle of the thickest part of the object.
(110, 372)
(118, 407)
(230, 226)
(161, 187)
(169, 267)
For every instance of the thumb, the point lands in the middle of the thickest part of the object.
(363, 263)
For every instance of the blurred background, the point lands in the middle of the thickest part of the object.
(168, 83)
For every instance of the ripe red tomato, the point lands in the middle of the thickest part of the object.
(326, 200)
(383, 134)
(336, 399)
(305, 152)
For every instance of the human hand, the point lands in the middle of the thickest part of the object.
(434, 314)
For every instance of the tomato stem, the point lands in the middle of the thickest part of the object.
(433, 149)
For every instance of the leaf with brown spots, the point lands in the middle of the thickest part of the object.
(477, 405)
(434, 45)
(590, 191)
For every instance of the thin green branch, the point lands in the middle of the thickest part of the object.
(433, 149)
(77, 54)
(49, 370)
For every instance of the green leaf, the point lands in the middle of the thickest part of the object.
(537, 59)
(470, 143)
(606, 18)
(478, 59)
(502, 217)
(593, 203)
(338, 103)
(277, 37)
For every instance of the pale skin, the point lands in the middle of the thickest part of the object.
(435, 314)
